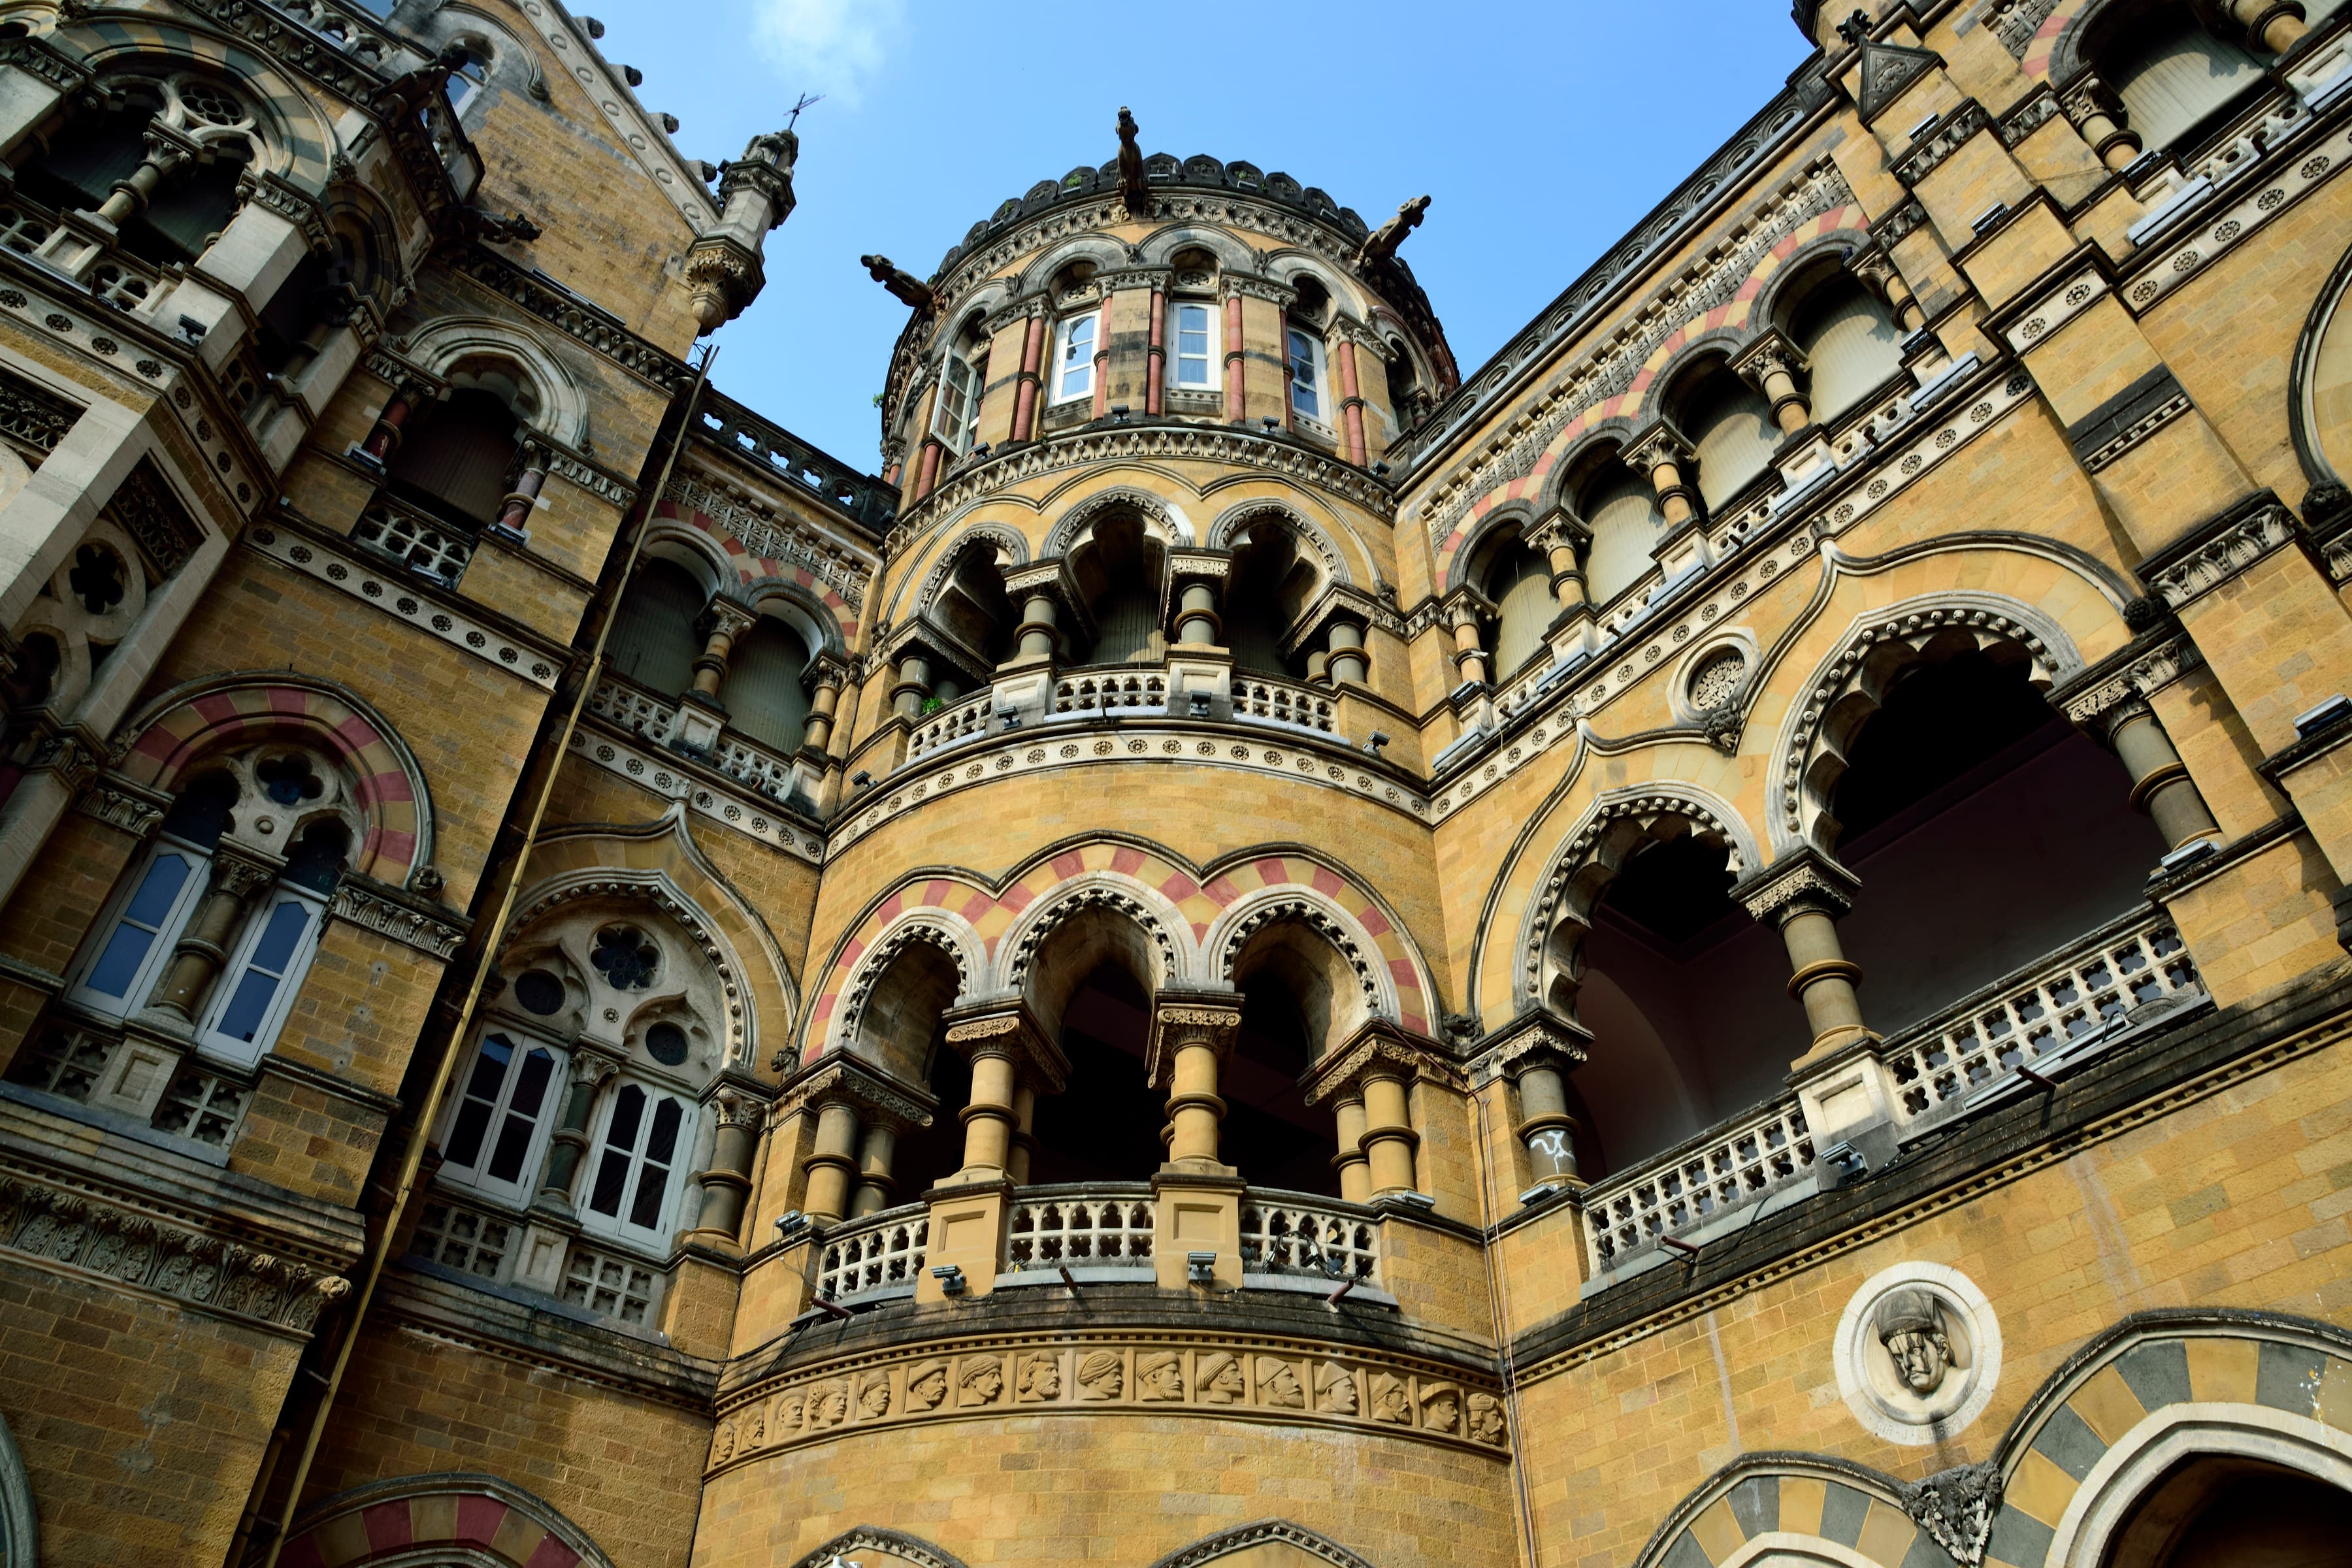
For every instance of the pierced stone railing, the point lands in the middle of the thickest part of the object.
(79, 1062)
(1109, 1223)
(1111, 692)
(957, 722)
(202, 1104)
(747, 761)
(1702, 1180)
(870, 1254)
(1282, 702)
(431, 549)
(2036, 1011)
(121, 284)
(474, 1241)
(633, 709)
(1296, 1233)
(612, 1284)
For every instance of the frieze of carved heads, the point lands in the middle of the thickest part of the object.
(1275, 1381)
(82, 1234)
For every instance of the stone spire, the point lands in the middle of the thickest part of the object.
(755, 195)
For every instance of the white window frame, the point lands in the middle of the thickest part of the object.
(957, 432)
(149, 970)
(1208, 355)
(1318, 374)
(477, 1177)
(210, 1040)
(1064, 333)
(617, 1225)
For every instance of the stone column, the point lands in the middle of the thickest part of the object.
(1351, 403)
(722, 622)
(1033, 359)
(1354, 1170)
(1878, 272)
(927, 468)
(1102, 356)
(1046, 595)
(1038, 633)
(1155, 362)
(1196, 615)
(913, 686)
(1191, 1037)
(1804, 894)
(1469, 658)
(1375, 1069)
(1024, 1137)
(875, 1183)
(2162, 786)
(516, 507)
(237, 874)
(1661, 453)
(590, 1070)
(832, 1162)
(2098, 115)
(969, 1210)
(384, 438)
(1535, 1054)
(2271, 26)
(1770, 365)
(168, 152)
(1236, 396)
(824, 705)
(727, 1183)
(1349, 665)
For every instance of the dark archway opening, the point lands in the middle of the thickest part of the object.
(926, 1156)
(1104, 1125)
(1270, 1134)
(2218, 1511)
(1987, 831)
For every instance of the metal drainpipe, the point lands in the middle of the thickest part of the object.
(1498, 1298)
(379, 1254)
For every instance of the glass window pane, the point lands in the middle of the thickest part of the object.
(664, 1142)
(514, 1142)
(466, 1136)
(276, 948)
(119, 964)
(611, 1175)
(161, 884)
(627, 1111)
(243, 1016)
(646, 1208)
(536, 1069)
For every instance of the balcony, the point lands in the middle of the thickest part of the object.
(1136, 692)
(656, 719)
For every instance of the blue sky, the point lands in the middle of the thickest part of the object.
(1543, 132)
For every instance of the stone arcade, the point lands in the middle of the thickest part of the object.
(1721, 943)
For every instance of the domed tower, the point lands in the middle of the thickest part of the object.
(1122, 1138)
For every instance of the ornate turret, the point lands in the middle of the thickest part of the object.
(755, 195)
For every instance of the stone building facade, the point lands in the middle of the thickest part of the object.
(1721, 942)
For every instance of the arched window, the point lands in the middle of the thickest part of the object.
(122, 964)
(1730, 427)
(2171, 71)
(762, 692)
(963, 385)
(641, 1144)
(971, 605)
(1074, 357)
(497, 1131)
(1852, 343)
(1090, 988)
(1192, 330)
(1519, 583)
(1119, 570)
(1623, 512)
(1406, 396)
(459, 462)
(653, 641)
(191, 202)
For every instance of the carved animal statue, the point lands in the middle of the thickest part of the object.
(905, 287)
(1381, 243)
(1131, 184)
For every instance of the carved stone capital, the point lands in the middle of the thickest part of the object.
(734, 1108)
(876, 1097)
(1181, 1019)
(1379, 1049)
(2098, 700)
(1007, 1029)
(120, 803)
(1769, 355)
(386, 911)
(2183, 572)
(724, 617)
(591, 1068)
(1804, 881)
(1559, 527)
(241, 872)
(1657, 446)
(1537, 1038)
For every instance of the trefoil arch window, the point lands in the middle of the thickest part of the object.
(1074, 357)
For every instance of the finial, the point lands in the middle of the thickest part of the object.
(1855, 28)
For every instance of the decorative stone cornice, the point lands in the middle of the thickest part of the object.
(381, 908)
(2185, 571)
(101, 1238)
(1904, 221)
(1802, 882)
(274, 192)
(39, 58)
(593, 326)
(121, 802)
(2039, 110)
(562, 465)
(1379, 1049)
(771, 535)
(1243, 286)
(878, 1097)
(1107, 446)
(1181, 1018)
(1929, 153)
(2092, 699)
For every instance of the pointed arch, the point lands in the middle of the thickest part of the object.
(873, 1538)
(946, 932)
(1158, 513)
(486, 1517)
(1317, 1547)
(194, 722)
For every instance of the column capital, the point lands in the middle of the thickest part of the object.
(1009, 1029)
(878, 1096)
(726, 617)
(2102, 696)
(1556, 527)
(1378, 1049)
(1804, 880)
(122, 802)
(1656, 445)
(1771, 354)
(829, 670)
(241, 871)
(1181, 1018)
(591, 1067)
(1538, 1037)
(1212, 566)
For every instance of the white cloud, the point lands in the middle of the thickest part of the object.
(828, 47)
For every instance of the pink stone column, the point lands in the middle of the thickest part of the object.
(1237, 399)
(1353, 402)
(1156, 361)
(1102, 358)
(1024, 407)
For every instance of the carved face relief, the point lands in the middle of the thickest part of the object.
(1486, 1418)
(1221, 1380)
(1335, 1390)
(722, 1443)
(1278, 1385)
(755, 1426)
(1917, 1352)
(1390, 1401)
(874, 1399)
(927, 1385)
(1040, 1376)
(1160, 1374)
(1101, 1376)
(788, 1416)
(1440, 1410)
(829, 1405)
(981, 1380)
(1921, 1357)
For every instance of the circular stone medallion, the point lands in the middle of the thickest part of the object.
(1918, 1352)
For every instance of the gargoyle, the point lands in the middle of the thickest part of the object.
(1381, 243)
(903, 286)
